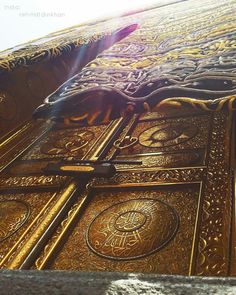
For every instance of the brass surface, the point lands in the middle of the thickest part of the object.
(132, 229)
(86, 223)
(172, 214)
(28, 212)
(30, 244)
(16, 180)
(67, 257)
(85, 259)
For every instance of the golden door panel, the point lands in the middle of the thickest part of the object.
(26, 171)
(134, 229)
(171, 134)
(65, 142)
(213, 250)
(172, 142)
(20, 215)
(26, 175)
(84, 242)
(195, 197)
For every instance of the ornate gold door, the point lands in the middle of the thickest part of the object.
(170, 206)
(171, 214)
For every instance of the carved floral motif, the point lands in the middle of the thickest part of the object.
(215, 220)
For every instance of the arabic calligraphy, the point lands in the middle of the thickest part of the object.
(167, 135)
(132, 229)
(67, 145)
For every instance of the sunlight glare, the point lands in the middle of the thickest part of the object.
(24, 20)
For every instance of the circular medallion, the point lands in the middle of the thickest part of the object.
(13, 214)
(167, 135)
(132, 229)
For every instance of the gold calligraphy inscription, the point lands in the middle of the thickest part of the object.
(132, 229)
(67, 144)
(13, 214)
(166, 160)
(174, 258)
(167, 135)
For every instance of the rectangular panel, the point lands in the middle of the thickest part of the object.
(65, 142)
(20, 216)
(149, 229)
(26, 172)
(171, 134)
(171, 142)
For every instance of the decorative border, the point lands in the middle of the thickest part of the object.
(214, 231)
(28, 182)
(152, 175)
(212, 237)
(54, 242)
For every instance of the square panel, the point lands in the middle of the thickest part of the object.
(148, 229)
